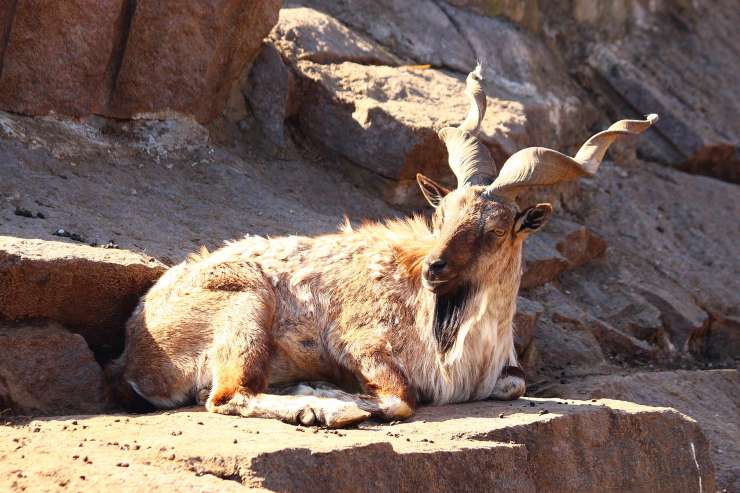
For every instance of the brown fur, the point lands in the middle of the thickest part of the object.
(348, 308)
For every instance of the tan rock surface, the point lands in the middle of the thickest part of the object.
(184, 56)
(548, 446)
(45, 369)
(712, 398)
(418, 31)
(90, 290)
(309, 34)
(122, 58)
(384, 119)
(48, 66)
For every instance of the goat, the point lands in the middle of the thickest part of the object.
(372, 321)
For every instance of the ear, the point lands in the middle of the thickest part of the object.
(433, 191)
(532, 219)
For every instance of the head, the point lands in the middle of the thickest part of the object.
(478, 224)
(475, 230)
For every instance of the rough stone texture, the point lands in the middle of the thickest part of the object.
(563, 245)
(724, 338)
(528, 313)
(185, 56)
(271, 93)
(542, 263)
(384, 119)
(73, 40)
(676, 58)
(45, 369)
(308, 34)
(710, 397)
(519, 66)
(418, 30)
(122, 58)
(89, 290)
(692, 81)
(462, 448)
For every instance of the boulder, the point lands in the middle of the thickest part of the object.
(538, 445)
(126, 58)
(44, 369)
(271, 91)
(384, 119)
(418, 31)
(185, 56)
(541, 262)
(59, 56)
(91, 291)
(559, 114)
(670, 246)
(710, 397)
(306, 34)
(672, 58)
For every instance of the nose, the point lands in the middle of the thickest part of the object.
(437, 265)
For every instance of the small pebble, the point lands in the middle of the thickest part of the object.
(122, 464)
(19, 211)
(501, 415)
(543, 411)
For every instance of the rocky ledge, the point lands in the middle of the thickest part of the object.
(528, 445)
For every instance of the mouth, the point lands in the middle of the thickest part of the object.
(437, 286)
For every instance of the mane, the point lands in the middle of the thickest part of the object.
(411, 239)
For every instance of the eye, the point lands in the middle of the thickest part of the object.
(498, 232)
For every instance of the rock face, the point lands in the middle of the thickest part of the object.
(384, 118)
(690, 392)
(462, 448)
(71, 40)
(308, 34)
(89, 290)
(185, 57)
(620, 50)
(411, 30)
(48, 370)
(123, 58)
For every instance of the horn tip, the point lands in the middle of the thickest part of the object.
(652, 118)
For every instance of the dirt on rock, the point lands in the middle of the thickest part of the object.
(528, 445)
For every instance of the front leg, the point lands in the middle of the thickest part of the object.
(511, 384)
(387, 391)
(391, 395)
